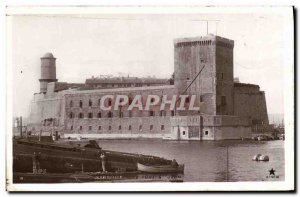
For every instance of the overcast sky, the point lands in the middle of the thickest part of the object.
(141, 45)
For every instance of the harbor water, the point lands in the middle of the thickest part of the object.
(206, 161)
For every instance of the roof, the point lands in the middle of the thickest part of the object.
(203, 38)
(125, 80)
(48, 55)
(113, 90)
(245, 85)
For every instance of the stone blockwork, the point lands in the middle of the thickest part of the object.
(250, 101)
(228, 110)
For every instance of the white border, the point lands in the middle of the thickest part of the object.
(288, 184)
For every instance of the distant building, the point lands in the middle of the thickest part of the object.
(231, 110)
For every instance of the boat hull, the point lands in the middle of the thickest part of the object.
(160, 169)
(67, 159)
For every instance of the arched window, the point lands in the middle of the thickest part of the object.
(99, 102)
(120, 127)
(90, 115)
(71, 115)
(90, 103)
(71, 103)
(80, 115)
(109, 114)
(99, 115)
(80, 103)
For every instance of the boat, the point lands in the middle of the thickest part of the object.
(160, 168)
(63, 158)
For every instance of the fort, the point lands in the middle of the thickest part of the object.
(203, 66)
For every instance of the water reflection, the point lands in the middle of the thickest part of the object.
(207, 160)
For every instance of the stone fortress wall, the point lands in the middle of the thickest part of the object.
(230, 110)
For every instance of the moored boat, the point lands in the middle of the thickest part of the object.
(160, 168)
(62, 158)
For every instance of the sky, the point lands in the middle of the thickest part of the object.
(141, 45)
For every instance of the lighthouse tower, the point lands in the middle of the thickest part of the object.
(48, 71)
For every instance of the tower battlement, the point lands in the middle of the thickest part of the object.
(203, 40)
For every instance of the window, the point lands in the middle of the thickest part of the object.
(90, 128)
(80, 103)
(90, 103)
(71, 128)
(140, 128)
(99, 128)
(80, 128)
(109, 102)
(162, 127)
(223, 100)
(172, 113)
(222, 76)
(151, 127)
(187, 100)
(120, 114)
(99, 115)
(80, 115)
(90, 115)
(151, 113)
(163, 113)
(109, 114)
(201, 98)
(130, 100)
(109, 128)
(120, 127)
(206, 132)
(129, 128)
(71, 115)
(71, 103)
(183, 132)
(99, 102)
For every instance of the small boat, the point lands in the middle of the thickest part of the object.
(160, 168)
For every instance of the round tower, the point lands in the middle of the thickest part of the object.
(48, 71)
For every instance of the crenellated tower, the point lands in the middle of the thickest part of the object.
(214, 85)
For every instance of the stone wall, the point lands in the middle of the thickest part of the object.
(134, 125)
(249, 101)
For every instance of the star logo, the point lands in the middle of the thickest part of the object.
(272, 172)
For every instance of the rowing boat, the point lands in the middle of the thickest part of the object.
(160, 168)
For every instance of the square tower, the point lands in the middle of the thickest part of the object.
(214, 85)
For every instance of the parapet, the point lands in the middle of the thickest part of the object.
(204, 40)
